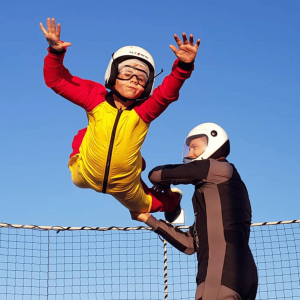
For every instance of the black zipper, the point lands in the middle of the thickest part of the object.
(111, 144)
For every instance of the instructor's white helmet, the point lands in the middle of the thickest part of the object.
(130, 52)
(217, 142)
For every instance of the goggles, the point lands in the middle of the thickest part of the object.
(127, 72)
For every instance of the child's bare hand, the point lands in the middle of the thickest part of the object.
(142, 217)
(187, 50)
(52, 35)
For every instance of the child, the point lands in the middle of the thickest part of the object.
(106, 155)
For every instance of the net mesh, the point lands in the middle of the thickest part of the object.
(276, 250)
(130, 264)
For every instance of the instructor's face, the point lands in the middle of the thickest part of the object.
(197, 147)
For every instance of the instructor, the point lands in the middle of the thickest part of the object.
(220, 234)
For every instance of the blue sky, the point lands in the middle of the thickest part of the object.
(246, 79)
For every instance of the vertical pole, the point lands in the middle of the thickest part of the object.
(48, 264)
(165, 270)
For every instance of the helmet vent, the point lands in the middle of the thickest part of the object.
(213, 133)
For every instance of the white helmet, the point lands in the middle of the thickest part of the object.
(125, 53)
(217, 142)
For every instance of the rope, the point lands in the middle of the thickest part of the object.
(61, 228)
(275, 223)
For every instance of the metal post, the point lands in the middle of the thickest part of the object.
(165, 270)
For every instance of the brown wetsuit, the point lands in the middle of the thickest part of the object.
(220, 234)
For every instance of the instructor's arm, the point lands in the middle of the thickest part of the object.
(183, 241)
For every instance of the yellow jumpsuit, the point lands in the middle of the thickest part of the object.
(107, 155)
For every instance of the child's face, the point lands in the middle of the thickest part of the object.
(131, 82)
(129, 88)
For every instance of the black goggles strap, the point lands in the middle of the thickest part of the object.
(130, 78)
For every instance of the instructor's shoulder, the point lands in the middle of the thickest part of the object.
(219, 171)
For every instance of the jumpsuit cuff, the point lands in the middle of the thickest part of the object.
(53, 51)
(181, 70)
(186, 66)
(152, 222)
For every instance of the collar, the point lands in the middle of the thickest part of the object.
(109, 98)
(222, 159)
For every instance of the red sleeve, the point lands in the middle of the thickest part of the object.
(77, 141)
(85, 93)
(164, 94)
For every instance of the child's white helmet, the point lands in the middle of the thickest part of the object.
(217, 142)
(129, 52)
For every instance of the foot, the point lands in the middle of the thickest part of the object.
(172, 216)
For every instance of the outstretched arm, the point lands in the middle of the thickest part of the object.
(183, 241)
(168, 91)
(84, 93)
(194, 172)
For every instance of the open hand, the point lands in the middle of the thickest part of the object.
(187, 50)
(52, 35)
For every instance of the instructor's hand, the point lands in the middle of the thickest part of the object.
(187, 50)
(52, 35)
